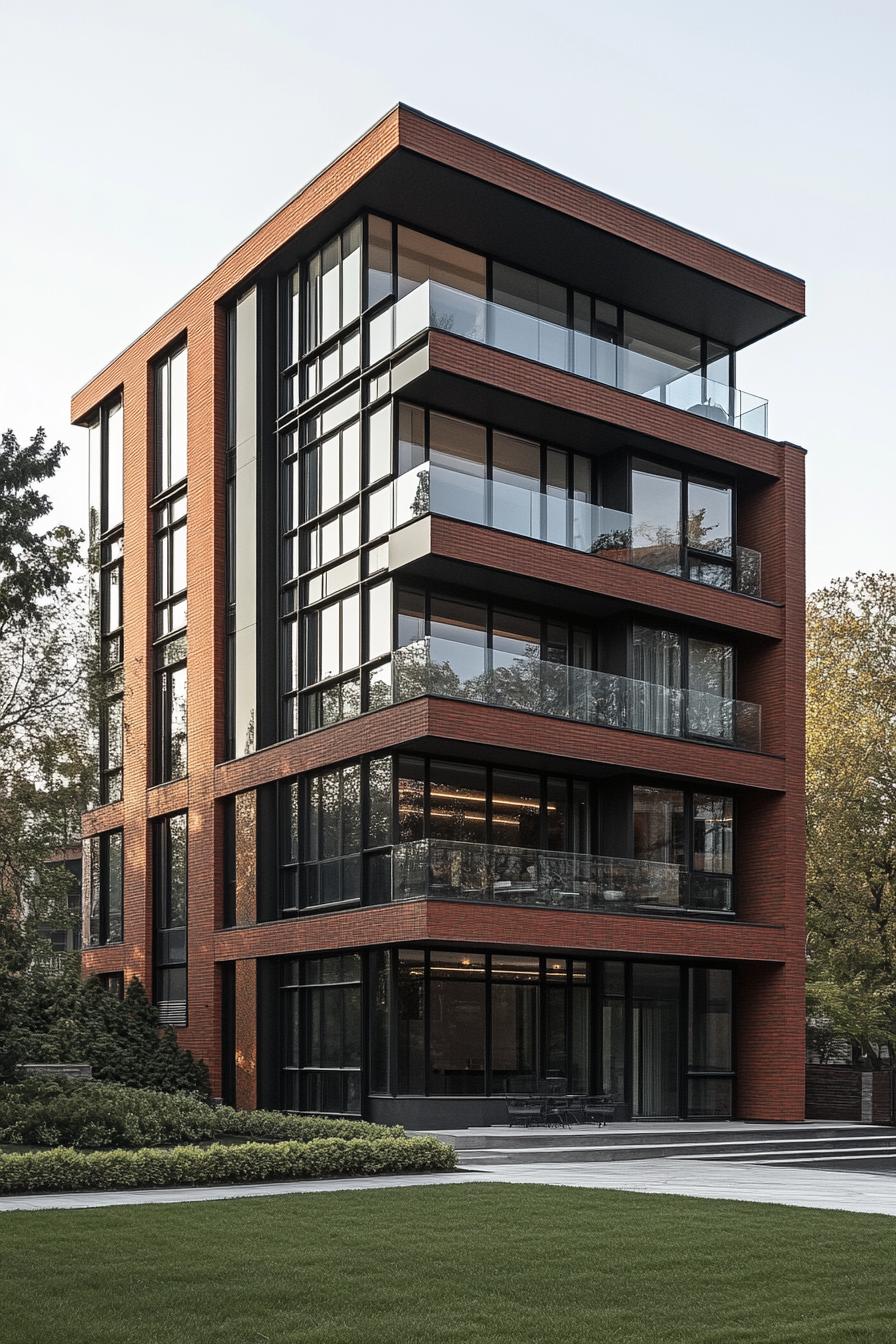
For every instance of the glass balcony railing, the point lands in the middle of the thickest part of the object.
(468, 671)
(452, 870)
(488, 323)
(573, 523)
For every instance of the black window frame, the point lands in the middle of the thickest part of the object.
(297, 987)
(687, 553)
(106, 566)
(170, 940)
(689, 792)
(163, 481)
(97, 870)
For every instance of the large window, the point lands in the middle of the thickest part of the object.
(332, 836)
(170, 419)
(242, 523)
(422, 258)
(321, 1033)
(333, 286)
(170, 565)
(466, 804)
(683, 524)
(335, 606)
(490, 652)
(710, 1054)
(491, 477)
(495, 1023)
(170, 652)
(170, 910)
(103, 915)
(106, 469)
(240, 827)
(335, 831)
(664, 664)
(106, 559)
(692, 830)
(457, 1018)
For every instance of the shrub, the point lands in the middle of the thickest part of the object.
(99, 1115)
(121, 1169)
(62, 1019)
(273, 1125)
(53, 1111)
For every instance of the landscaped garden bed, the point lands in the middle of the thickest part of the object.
(105, 1136)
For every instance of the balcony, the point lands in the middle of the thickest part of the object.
(573, 523)
(452, 870)
(459, 671)
(432, 305)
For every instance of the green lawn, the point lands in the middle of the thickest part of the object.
(484, 1263)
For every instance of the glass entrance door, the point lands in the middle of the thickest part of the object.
(655, 1038)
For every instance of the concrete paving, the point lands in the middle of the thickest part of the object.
(808, 1188)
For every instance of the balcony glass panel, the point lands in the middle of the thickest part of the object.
(523, 333)
(453, 870)
(444, 667)
(455, 487)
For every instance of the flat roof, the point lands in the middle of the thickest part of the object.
(422, 170)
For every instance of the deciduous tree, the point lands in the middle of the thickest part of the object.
(851, 786)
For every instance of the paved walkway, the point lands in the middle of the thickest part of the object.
(804, 1188)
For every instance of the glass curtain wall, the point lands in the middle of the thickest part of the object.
(473, 1023)
(488, 476)
(528, 307)
(496, 1023)
(335, 836)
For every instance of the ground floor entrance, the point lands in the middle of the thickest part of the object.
(428, 1036)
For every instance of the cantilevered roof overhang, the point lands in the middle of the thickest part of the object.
(415, 168)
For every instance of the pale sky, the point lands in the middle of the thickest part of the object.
(139, 143)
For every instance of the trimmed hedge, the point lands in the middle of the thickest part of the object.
(57, 1111)
(219, 1164)
(99, 1115)
(274, 1125)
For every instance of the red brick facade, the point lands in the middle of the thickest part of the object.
(766, 941)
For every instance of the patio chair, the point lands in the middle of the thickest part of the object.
(524, 1110)
(555, 1100)
(599, 1109)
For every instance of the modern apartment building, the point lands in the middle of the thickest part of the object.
(451, 610)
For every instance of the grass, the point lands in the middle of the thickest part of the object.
(495, 1263)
